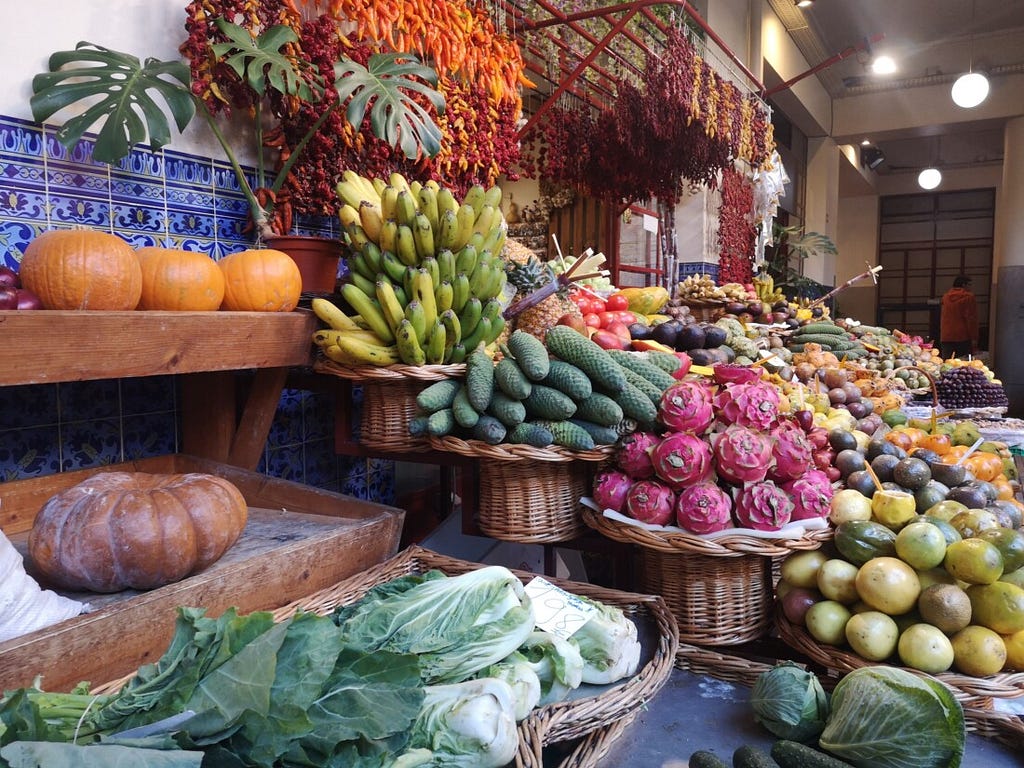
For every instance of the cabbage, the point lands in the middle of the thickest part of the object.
(521, 678)
(790, 702)
(886, 717)
(557, 662)
(608, 644)
(455, 625)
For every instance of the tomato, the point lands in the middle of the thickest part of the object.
(616, 302)
(619, 329)
(592, 320)
(621, 316)
(595, 305)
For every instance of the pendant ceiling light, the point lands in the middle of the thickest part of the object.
(971, 88)
(929, 178)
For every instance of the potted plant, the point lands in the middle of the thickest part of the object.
(119, 93)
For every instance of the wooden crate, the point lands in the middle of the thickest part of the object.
(298, 540)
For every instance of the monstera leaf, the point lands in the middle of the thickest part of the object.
(260, 61)
(117, 86)
(395, 117)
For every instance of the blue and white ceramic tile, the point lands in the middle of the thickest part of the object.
(698, 268)
(29, 406)
(354, 483)
(320, 469)
(90, 444)
(318, 416)
(30, 452)
(286, 428)
(285, 463)
(149, 434)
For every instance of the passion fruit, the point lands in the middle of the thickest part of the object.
(848, 461)
(913, 474)
(931, 494)
(970, 496)
(862, 481)
(1010, 544)
(884, 465)
(841, 440)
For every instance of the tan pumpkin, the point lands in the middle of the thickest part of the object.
(263, 280)
(82, 269)
(179, 281)
(137, 530)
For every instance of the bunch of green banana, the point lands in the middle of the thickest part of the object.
(767, 291)
(426, 273)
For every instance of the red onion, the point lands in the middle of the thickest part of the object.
(8, 297)
(8, 277)
(26, 299)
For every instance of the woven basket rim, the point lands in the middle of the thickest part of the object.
(728, 545)
(971, 691)
(478, 449)
(553, 723)
(388, 372)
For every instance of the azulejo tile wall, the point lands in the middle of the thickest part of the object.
(160, 198)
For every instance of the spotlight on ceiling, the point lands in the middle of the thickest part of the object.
(970, 90)
(883, 65)
(929, 178)
(804, 3)
(871, 157)
(865, 142)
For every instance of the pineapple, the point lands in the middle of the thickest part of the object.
(528, 273)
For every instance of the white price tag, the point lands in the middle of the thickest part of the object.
(559, 612)
(650, 223)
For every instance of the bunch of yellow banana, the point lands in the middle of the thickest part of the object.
(425, 274)
(767, 291)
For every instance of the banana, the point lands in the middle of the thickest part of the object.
(465, 217)
(406, 246)
(446, 264)
(423, 291)
(367, 186)
(392, 267)
(428, 207)
(408, 346)
(447, 230)
(430, 264)
(458, 354)
(435, 344)
(357, 237)
(415, 314)
(405, 208)
(409, 281)
(492, 196)
(498, 280)
(347, 215)
(388, 240)
(414, 188)
(389, 304)
(369, 311)
(389, 202)
(364, 284)
(378, 185)
(480, 280)
(373, 257)
(466, 260)
(357, 266)
(494, 241)
(446, 201)
(480, 335)
(444, 295)
(423, 235)
(398, 181)
(460, 291)
(475, 198)
(370, 217)
(350, 194)
(470, 315)
(325, 337)
(432, 184)
(452, 332)
(476, 240)
(331, 313)
(491, 310)
(400, 294)
(482, 225)
(351, 351)
(497, 326)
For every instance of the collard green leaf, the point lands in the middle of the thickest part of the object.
(261, 62)
(32, 754)
(384, 87)
(119, 91)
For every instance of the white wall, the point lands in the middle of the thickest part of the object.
(143, 28)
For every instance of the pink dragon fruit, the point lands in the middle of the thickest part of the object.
(651, 502)
(741, 455)
(811, 494)
(633, 454)
(686, 407)
(703, 508)
(681, 459)
(791, 450)
(610, 489)
(751, 404)
(763, 506)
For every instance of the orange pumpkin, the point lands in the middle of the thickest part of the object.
(82, 269)
(182, 281)
(119, 530)
(262, 280)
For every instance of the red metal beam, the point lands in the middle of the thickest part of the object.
(863, 45)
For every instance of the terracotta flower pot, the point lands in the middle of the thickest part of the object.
(317, 258)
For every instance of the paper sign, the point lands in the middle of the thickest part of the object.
(650, 223)
(556, 611)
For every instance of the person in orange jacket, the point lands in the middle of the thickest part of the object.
(958, 327)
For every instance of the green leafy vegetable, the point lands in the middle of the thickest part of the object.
(521, 678)
(455, 625)
(557, 663)
(790, 702)
(42, 754)
(884, 717)
(608, 644)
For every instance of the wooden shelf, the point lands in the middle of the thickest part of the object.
(48, 346)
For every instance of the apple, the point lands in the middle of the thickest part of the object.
(619, 329)
(686, 361)
(573, 321)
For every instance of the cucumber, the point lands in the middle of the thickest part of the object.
(704, 759)
(793, 754)
(749, 756)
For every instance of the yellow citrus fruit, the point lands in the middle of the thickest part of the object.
(998, 606)
(1014, 650)
(978, 651)
(888, 585)
(975, 561)
(801, 568)
(924, 647)
(921, 546)
(945, 606)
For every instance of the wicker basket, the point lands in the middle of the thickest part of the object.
(705, 311)
(389, 400)
(529, 495)
(595, 716)
(716, 600)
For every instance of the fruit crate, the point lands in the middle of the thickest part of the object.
(593, 716)
(298, 539)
